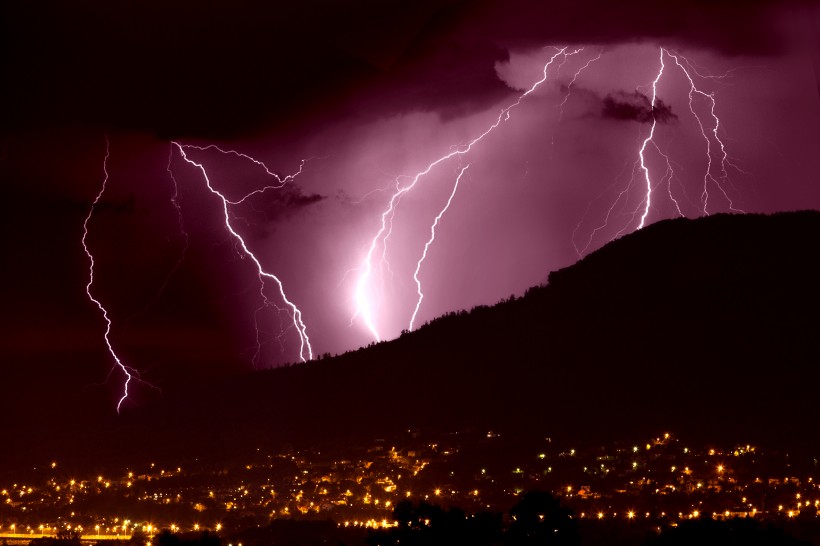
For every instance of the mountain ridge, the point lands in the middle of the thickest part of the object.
(706, 328)
(707, 325)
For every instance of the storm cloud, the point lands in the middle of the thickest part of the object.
(216, 70)
(376, 91)
(636, 106)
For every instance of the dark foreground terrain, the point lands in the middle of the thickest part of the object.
(708, 327)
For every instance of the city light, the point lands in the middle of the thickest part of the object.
(363, 490)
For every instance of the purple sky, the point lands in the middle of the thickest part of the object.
(370, 96)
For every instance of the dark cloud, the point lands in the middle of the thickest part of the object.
(269, 208)
(636, 106)
(220, 69)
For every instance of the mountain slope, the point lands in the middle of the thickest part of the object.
(708, 327)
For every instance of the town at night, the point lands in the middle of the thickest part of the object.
(643, 488)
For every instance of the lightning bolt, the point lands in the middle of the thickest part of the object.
(667, 177)
(130, 373)
(430, 242)
(709, 132)
(648, 197)
(305, 349)
(280, 182)
(571, 83)
(178, 207)
(365, 308)
(724, 160)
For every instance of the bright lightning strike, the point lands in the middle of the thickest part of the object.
(648, 197)
(724, 159)
(130, 373)
(305, 349)
(427, 246)
(364, 292)
(716, 173)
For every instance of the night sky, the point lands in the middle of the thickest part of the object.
(364, 95)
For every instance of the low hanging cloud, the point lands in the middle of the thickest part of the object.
(636, 106)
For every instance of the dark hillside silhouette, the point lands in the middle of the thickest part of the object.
(708, 327)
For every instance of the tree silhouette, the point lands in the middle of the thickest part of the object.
(539, 518)
(138, 538)
(65, 537)
(167, 538)
(735, 532)
(426, 524)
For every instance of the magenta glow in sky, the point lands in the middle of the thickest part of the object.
(551, 177)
